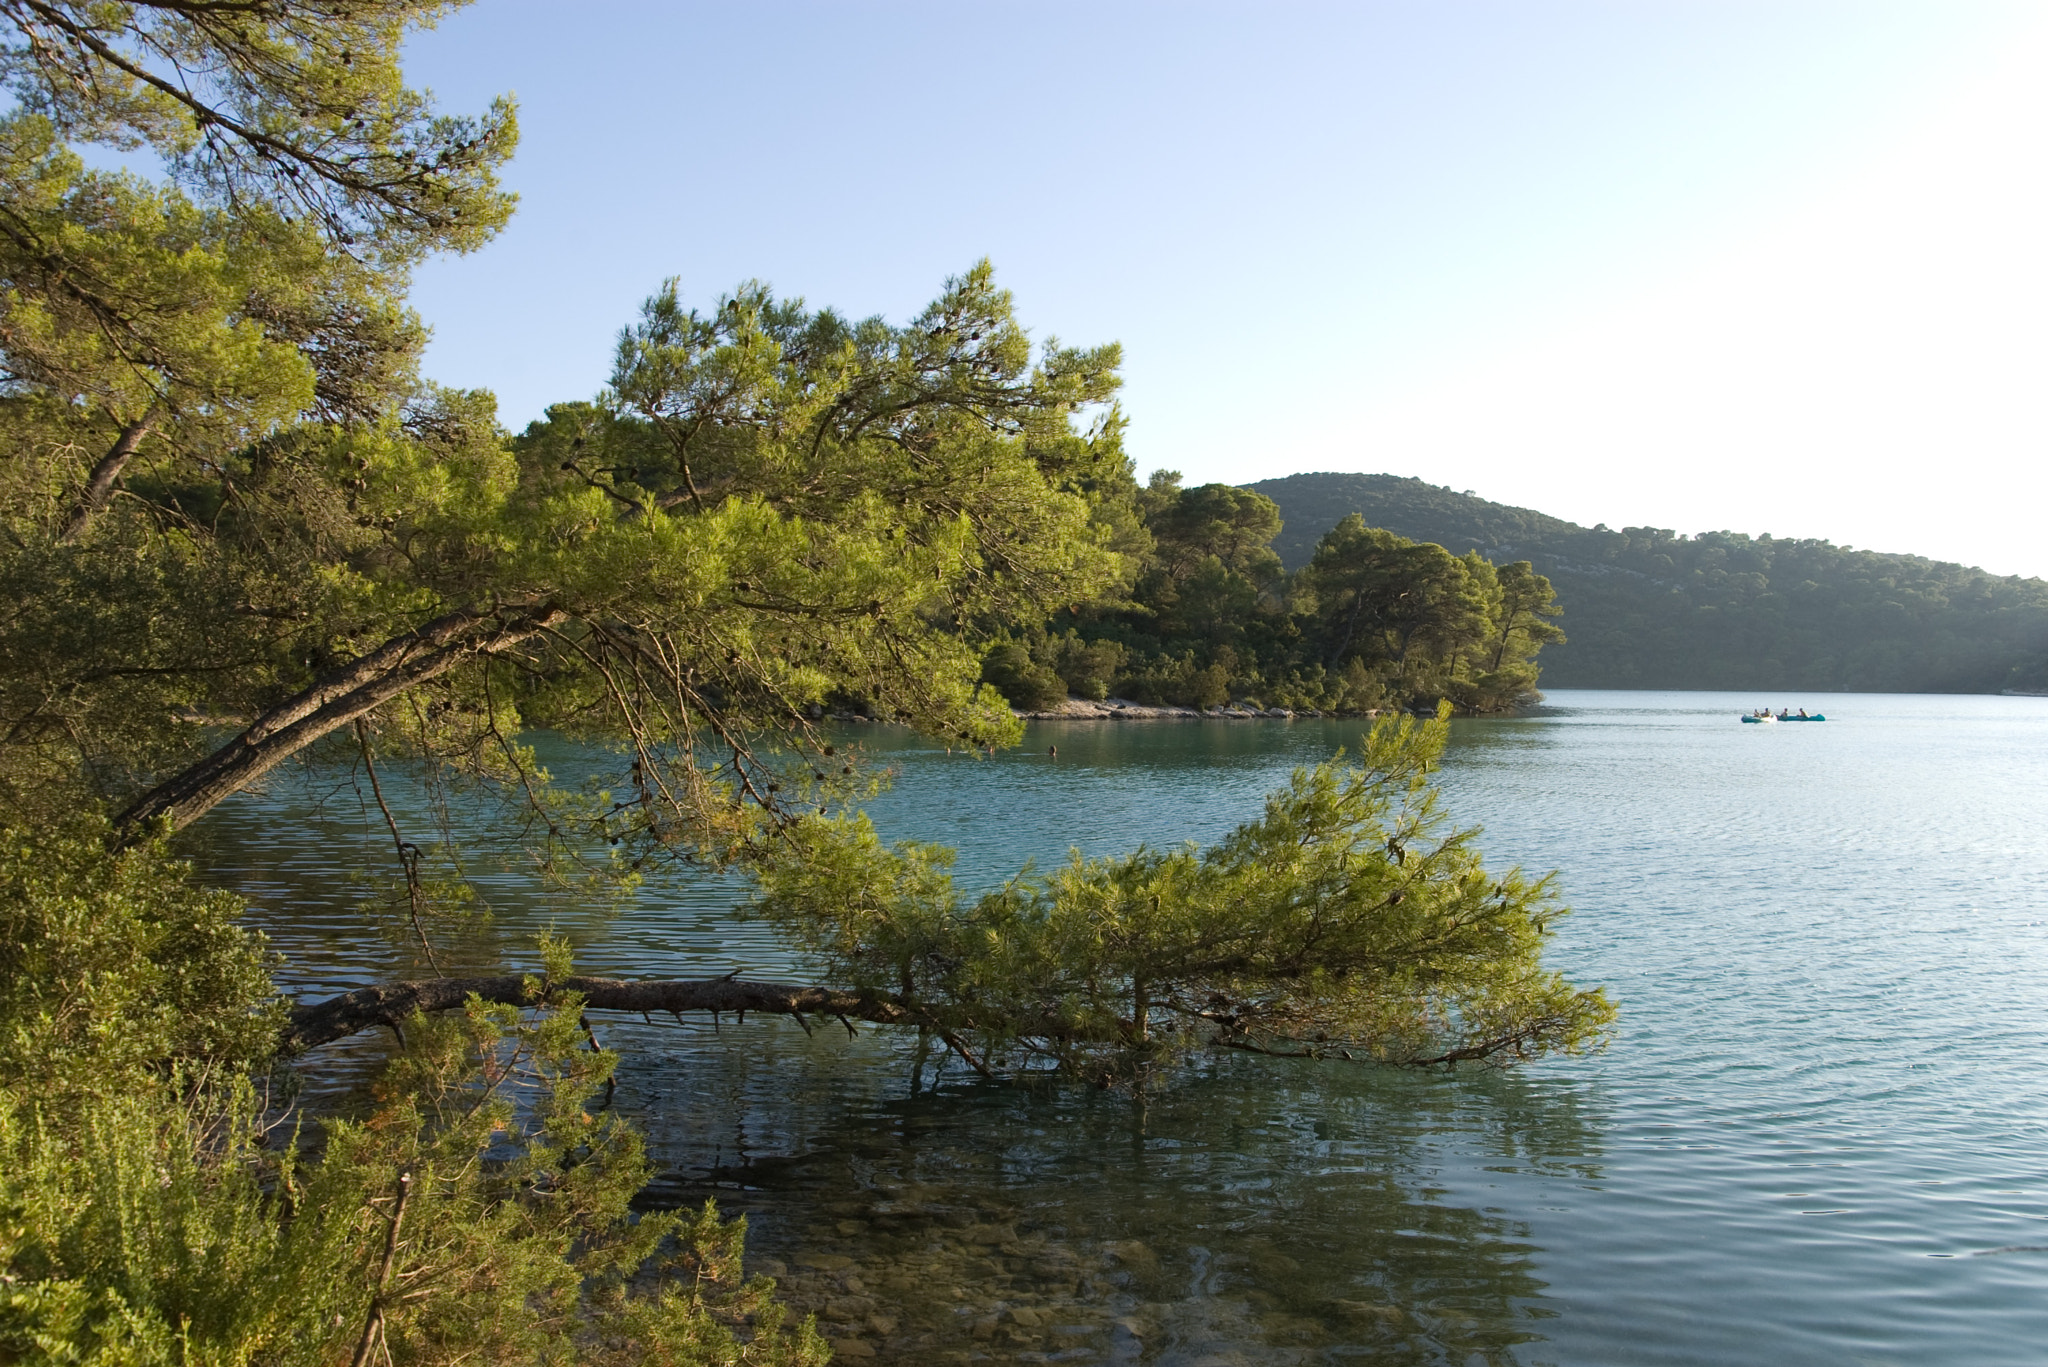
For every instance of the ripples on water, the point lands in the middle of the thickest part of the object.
(1818, 1137)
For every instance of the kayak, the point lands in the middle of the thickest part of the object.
(1815, 717)
(1759, 719)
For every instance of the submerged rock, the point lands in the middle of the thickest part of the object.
(824, 1262)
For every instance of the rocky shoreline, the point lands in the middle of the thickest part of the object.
(1123, 709)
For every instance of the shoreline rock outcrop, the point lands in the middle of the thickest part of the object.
(1123, 709)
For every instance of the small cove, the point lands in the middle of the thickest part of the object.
(1821, 1134)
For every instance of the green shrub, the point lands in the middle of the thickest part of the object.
(154, 1211)
(1028, 685)
(113, 966)
(1087, 668)
(1209, 686)
(159, 1226)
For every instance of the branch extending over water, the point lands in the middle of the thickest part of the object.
(389, 1004)
(337, 699)
(1348, 921)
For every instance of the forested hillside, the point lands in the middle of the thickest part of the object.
(1648, 608)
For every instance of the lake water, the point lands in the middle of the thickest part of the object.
(1820, 1134)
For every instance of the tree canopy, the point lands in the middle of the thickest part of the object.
(1374, 620)
(774, 507)
(297, 108)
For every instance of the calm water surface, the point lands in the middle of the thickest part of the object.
(1820, 1136)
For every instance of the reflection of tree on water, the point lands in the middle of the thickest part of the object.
(1249, 1214)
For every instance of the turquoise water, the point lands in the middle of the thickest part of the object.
(1820, 1135)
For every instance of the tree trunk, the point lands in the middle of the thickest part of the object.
(1506, 633)
(337, 699)
(100, 485)
(389, 1004)
(1350, 628)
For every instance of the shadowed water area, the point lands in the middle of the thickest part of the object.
(1820, 1135)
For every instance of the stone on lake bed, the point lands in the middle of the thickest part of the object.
(1369, 1310)
(1133, 1253)
(852, 1348)
(824, 1262)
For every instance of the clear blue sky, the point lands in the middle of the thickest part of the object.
(1775, 267)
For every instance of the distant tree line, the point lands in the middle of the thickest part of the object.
(1653, 609)
(1725, 610)
(1207, 614)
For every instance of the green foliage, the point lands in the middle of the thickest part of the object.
(1349, 920)
(149, 1213)
(1373, 620)
(1039, 674)
(1088, 668)
(110, 644)
(171, 323)
(1024, 683)
(1215, 521)
(1423, 623)
(183, 358)
(165, 320)
(298, 108)
(478, 1212)
(1653, 609)
(775, 510)
(114, 969)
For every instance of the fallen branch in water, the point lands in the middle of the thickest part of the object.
(390, 1004)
